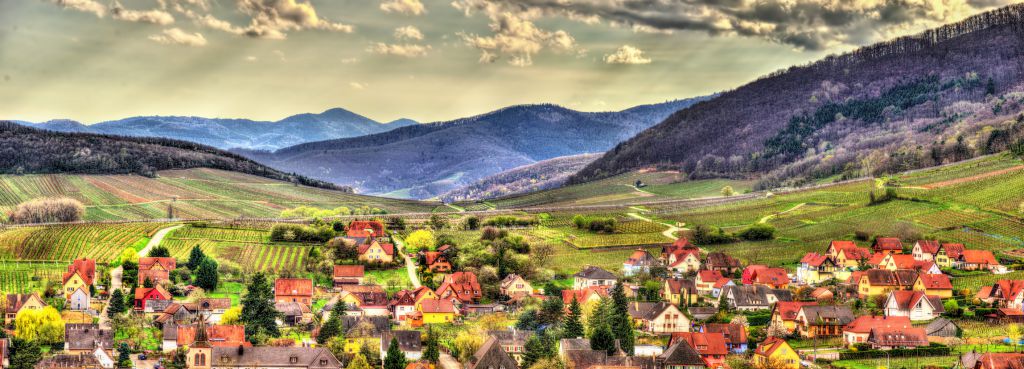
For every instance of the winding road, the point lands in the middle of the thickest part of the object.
(670, 232)
(410, 265)
(117, 273)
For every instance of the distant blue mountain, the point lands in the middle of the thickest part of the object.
(237, 133)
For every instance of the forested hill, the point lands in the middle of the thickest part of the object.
(29, 150)
(944, 95)
(426, 160)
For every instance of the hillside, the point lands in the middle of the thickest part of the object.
(426, 160)
(541, 175)
(25, 150)
(941, 96)
(237, 133)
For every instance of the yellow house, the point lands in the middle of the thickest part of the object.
(363, 333)
(934, 285)
(376, 252)
(422, 294)
(437, 311)
(80, 274)
(875, 282)
(677, 288)
(349, 299)
(784, 314)
(851, 257)
(775, 353)
(18, 302)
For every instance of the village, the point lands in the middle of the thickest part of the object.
(682, 308)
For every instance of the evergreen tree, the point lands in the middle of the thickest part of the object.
(130, 274)
(207, 277)
(574, 322)
(603, 339)
(147, 283)
(431, 353)
(621, 324)
(195, 258)
(25, 354)
(159, 252)
(124, 359)
(117, 305)
(599, 316)
(551, 311)
(534, 350)
(372, 355)
(396, 358)
(258, 312)
(333, 326)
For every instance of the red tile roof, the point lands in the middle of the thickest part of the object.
(705, 343)
(876, 259)
(769, 346)
(887, 244)
(86, 268)
(733, 333)
(437, 306)
(787, 310)
(584, 294)
(167, 263)
(158, 293)
(814, 259)
(365, 228)
(1001, 361)
(389, 249)
(864, 324)
(905, 300)
(929, 246)
(772, 277)
(218, 335)
(709, 276)
(293, 287)
(821, 293)
(903, 261)
(855, 253)
(953, 250)
(936, 281)
(898, 337)
(349, 271)
(842, 244)
(463, 284)
(1007, 288)
(984, 257)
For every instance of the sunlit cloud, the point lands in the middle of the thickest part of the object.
(409, 7)
(627, 54)
(408, 33)
(153, 16)
(403, 50)
(515, 37)
(175, 36)
(274, 18)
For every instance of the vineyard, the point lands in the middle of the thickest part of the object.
(248, 248)
(67, 242)
(26, 277)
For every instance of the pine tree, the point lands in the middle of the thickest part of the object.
(573, 322)
(621, 324)
(396, 358)
(431, 353)
(207, 277)
(25, 354)
(533, 351)
(258, 312)
(124, 359)
(147, 283)
(599, 316)
(603, 339)
(195, 257)
(116, 306)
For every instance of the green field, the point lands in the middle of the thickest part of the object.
(248, 248)
(102, 242)
(26, 277)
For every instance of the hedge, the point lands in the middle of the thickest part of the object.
(874, 354)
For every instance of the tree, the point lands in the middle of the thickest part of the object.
(207, 276)
(48, 210)
(438, 222)
(547, 363)
(179, 361)
(573, 322)
(395, 358)
(117, 305)
(728, 191)
(333, 326)
(534, 351)
(466, 343)
(472, 223)
(551, 311)
(195, 258)
(603, 339)
(124, 359)
(372, 355)
(599, 315)
(128, 255)
(358, 362)
(147, 283)
(1013, 333)
(758, 232)
(431, 353)
(420, 240)
(25, 354)
(258, 312)
(159, 252)
(621, 324)
(130, 274)
(43, 325)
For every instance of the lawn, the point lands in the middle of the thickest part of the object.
(898, 363)
(232, 290)
(392, 279)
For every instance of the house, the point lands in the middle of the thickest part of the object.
(176, 313)
(203, 356)
(952, 252)
(490, 355)
(593, 276)
(784, 314)
(847, 254)
(894, 338)
(435, 311)
(402, 306)
(373, 251)
(977, 260)
(436, 262)
(79, 300)
(299, 290)
(66, 361)
(143, 295)
(750, 271)
(716, 289)
(774, 352)
(937, 285)
(874, 282)
(942, 327)
(680, 356)
(17, 302)
(461, 288)
(735, 335)
(684, 260)
(814, 321)
(512, 341)
(293, 313)
(771, 277)
(1005, 316)
(702, 312)
(86, 338)
(679, 290)
(722, 262)
(706, 280)
(711, 346)
(639, 262)
(213, 308)
(926, 250)
(409, 342)
(751, 298)
(816, 268)
(358, 297)
(658, 317)
(156, 269)
(822, 294)
(861, 327)
(887, 245)
(364, 332)
(515, 287)
(175, 336)
(348, 274)
(567, 345)
(1007, 293)
(913, 304)
(81, 273)
(365, 229)
(999, 361)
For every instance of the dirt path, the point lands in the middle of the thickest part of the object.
(971, 178)
(117, 273)
(768, 217)
(410, 265)
(670, 232)
(449, 362)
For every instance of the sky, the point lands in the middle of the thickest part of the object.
(427, 60)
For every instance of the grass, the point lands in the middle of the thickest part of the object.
(898, 363)
(699, 188)
(392, 279)
(232, 290)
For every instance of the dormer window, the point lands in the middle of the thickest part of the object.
(293, 359)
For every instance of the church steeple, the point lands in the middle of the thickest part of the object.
(202, 341)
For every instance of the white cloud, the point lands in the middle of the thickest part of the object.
(515, 37)
(627, 54)
(410, 7)
(408, 33)
(349, 61)
(274, 18)
(175, 36)
(251, 59)
(404, 50)
(154, 16)
(357, 85)
(85, 6)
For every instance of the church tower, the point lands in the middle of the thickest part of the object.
(200, 353)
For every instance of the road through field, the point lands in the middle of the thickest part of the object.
(410, 266)
(670, 232)
(117, 273)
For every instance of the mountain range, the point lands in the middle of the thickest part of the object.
(236, 133)
(944, 95)
(425, 160)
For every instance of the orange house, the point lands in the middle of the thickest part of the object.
(298, 290)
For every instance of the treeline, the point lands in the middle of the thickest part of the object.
(48, 211)
(26, 150)
(595, 223)
(711, 235)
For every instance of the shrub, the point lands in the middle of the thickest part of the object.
(594, 224)
(301, 233)
(48, 210)
(710, 235)
(758, 232)
(505, 221)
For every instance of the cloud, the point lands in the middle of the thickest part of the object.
(85, 6)
(251, 59)
(627, 54)
(408, 33)
(409, 7)
(154, 16)
(357, 85)
(273, 18)
(349, 60)
(515, 36)
(404, 50)
(175, 36)
(804, 24)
